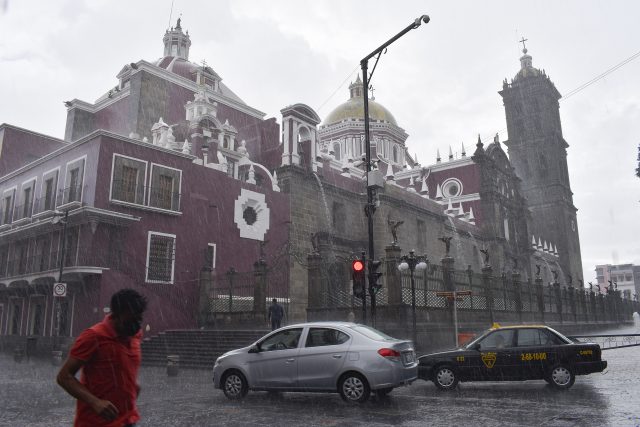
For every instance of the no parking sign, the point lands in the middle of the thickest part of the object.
(59, 289)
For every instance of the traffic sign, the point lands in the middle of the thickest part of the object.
(59, 289)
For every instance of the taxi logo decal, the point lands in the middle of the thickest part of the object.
(489, 359)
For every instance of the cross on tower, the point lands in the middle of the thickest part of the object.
(204, 65)
(523, 45)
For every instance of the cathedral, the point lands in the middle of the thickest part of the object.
(171, 184)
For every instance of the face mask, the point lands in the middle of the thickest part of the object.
(131, 328)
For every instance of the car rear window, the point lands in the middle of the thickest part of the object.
(374, 334)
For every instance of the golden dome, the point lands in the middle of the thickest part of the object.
(354, 108)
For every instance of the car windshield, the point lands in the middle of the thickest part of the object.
(372, 333)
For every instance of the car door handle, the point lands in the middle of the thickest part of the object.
(337, 356)
(291, 360)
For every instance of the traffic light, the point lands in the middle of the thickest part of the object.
(374, 276)
(357, 275)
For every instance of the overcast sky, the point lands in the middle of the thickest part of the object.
(439, 81)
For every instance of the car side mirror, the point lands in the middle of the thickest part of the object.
(476, 346)
(254, 349)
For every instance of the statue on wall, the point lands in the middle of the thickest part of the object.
(537, 270)
(393, 227)
(590, 286)
(555, 276)
(570, 284)
(447, 242)
(315, 243)
(485, 252)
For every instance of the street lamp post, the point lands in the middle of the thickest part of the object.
(370, 207)
(412, 263)
(57, 219)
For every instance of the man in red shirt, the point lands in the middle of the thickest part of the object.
(109, 355)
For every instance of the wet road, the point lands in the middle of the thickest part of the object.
(30, 397)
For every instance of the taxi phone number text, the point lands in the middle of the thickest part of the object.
(525, 357)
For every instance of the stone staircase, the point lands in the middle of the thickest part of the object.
(197, 348)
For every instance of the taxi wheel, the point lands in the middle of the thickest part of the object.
(234, 385)
(354, 388)
(445, 377)
(560, 376)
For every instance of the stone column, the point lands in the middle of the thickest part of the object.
(517, 293)
(205, 284)
(572, 302)
(295, 155)
(393, 276)
(314, 261)
(540, 296)
(447, 273)
(260, 291)
(286, 151)
(487, 272)
(592, 306)
(558, 293)
(314, 151)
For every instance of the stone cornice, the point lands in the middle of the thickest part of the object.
(87, 138)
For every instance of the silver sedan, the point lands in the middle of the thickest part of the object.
(347, 358)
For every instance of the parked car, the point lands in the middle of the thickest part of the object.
(514, 353)
(347, 358)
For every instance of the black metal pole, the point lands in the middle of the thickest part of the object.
(413, 305)
(364, 293)
(370, 207)
(57, 299)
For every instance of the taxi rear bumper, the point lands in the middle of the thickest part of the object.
(584, 368)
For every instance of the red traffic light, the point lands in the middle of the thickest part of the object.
(357, 265)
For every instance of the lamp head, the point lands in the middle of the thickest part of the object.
(403, 266)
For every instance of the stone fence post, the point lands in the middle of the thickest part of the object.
(517, 296)
(392, 274)
(205, 282)
(314, 276)
(486, 283)
(540, 296)
(260, 291)
(558, 292)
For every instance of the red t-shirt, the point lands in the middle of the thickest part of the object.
(110, 373)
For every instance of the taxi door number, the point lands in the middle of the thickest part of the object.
(526, 357)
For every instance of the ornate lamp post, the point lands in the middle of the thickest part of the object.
(412, 263)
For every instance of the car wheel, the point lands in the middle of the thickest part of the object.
(383, 392)
(445, 378)
(354, 388)
(234, 385)
(560, 376)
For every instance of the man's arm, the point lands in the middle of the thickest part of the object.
(67, 380)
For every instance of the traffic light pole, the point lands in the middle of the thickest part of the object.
(370, 207)
(364, 293)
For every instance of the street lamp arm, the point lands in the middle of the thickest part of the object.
(415, 24)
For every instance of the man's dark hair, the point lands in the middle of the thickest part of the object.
(128, 300)
(275, 301)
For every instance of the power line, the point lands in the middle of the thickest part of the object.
(601, 76)
(338, 88)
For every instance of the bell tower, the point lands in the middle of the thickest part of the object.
(538, 152)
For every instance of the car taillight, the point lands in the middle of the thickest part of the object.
(389, 353)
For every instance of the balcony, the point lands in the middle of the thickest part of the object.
(157, 199)
(22, 211)
(77, 260)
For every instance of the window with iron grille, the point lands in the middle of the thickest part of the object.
(165, 188)
(128, 179)
(7, 209)
(73, 181)
(48, 194)
(160, 257)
